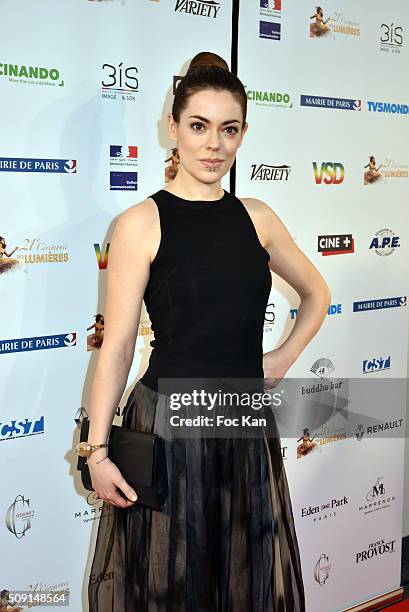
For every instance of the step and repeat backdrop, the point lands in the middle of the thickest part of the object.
(86, 86)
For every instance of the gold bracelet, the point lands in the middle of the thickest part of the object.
(84, 449)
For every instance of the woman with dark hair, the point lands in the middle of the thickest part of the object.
(201, 259)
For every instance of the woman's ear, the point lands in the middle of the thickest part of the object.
(172, 126)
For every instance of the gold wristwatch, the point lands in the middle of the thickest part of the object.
(84, 449)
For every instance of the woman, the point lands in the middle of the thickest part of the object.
(201, 260)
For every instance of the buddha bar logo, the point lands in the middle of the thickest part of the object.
(269, 98)
(205, 8)
(33, 75)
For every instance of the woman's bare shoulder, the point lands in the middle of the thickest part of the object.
(139, 218)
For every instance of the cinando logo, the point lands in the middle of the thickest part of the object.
(269, 98)
(33, 75)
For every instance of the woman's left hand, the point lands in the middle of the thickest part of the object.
(275, 365)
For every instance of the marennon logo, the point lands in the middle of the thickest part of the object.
(31, 75)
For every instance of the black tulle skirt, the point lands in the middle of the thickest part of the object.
(226, 541)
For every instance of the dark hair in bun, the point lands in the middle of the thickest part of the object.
(208, 70)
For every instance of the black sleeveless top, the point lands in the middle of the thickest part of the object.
(207, 292)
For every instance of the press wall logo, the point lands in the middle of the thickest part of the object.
(333, 309)
(38, 343)
(322, 569)
(377, 364)
(123, 156)
(119, 82)
(18, 516)
(384, 242)
(377, 498)
(339, 24)
(335, 244)
(331, 173)
(26, 164)
(376, 549)
(392, 302)
(391, 38)
(388, 169)
(371, 430)
(274, 99)
(31, 75)
(393, 108)
(267, 172)
(270, 30)
(102, 260)
(20, 429)
(205, 8)
(334, 103)
(325, 510)
(123, 181)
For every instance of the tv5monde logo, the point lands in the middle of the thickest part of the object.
(329, 173)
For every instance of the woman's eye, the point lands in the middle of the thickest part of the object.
(196, 123)
(231, 127)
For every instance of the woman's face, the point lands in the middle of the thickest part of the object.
(209, 128)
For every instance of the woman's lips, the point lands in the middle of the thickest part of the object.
(210, 164)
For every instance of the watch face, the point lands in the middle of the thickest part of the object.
(83, 449)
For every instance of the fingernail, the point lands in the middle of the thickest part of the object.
(134, 497)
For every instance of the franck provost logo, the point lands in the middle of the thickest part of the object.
(332, 26)
(31, 75)
(267, 172)
(204, 8)
(334, 103)
(26, 164)
(274, 99)
(376, 549)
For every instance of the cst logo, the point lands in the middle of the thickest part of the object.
(330, 173)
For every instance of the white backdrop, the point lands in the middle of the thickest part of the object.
(60, 215)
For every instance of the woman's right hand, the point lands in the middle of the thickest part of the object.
(106, 479)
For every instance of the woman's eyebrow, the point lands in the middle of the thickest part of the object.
(207, 120)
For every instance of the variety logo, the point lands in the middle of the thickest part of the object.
(274, 99)
(376, 498)
(123, 156)
(21, 429)
(376, 549)
(24, 164)
(269, 29)
(265, 172)
(385, 242)
(332, 309)
(205, 8)
(393, 108)
(391, 38)
(336, 244)
(330, 172)
(324, 511)
(102, 261)
(119, 82)
(361, 430)
(334, 103)
(376, 365)
(38, 343)
(18, 516)
(31, 75)
(123, 181)
(338, 24)
(393, 302)
(322, 569)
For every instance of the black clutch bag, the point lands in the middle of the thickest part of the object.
(140, 457)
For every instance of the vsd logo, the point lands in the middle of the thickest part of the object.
(330, 173)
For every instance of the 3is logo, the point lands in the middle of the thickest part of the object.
(330, 173)
(391, 34)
